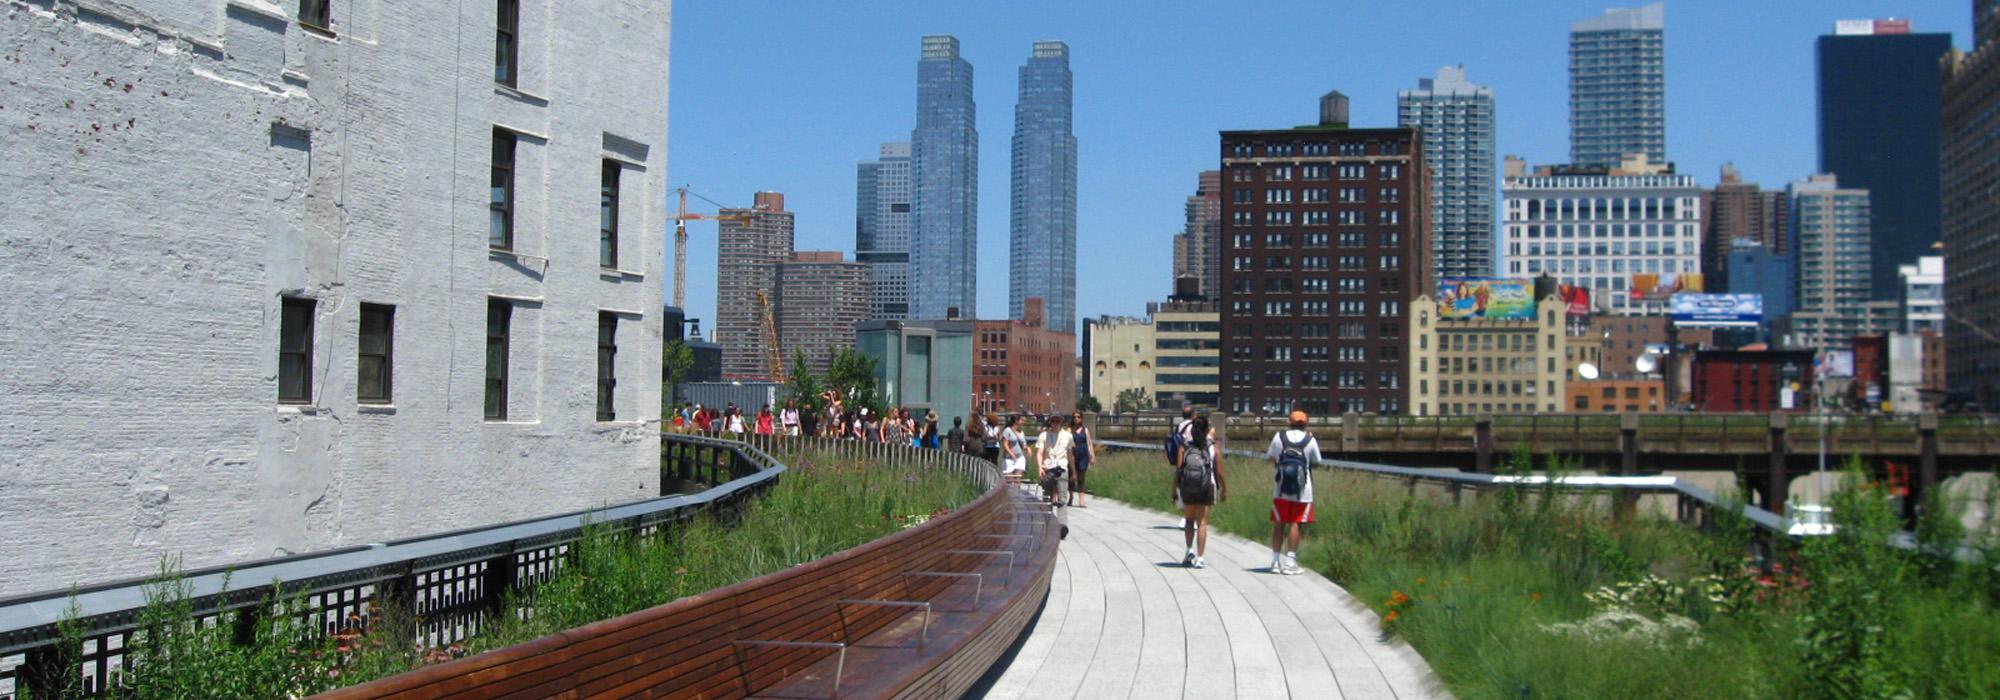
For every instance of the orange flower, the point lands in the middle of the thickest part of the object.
(1397, 598)
(1391, 617)
(1535, 596)
(1420, 580)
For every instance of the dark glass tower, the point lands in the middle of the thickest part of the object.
(1879, 97)
(1042, 206)
(944, 162)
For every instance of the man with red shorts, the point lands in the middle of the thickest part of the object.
(1293, 453)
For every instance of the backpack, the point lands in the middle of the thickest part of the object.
(1193, 475)
(1292, 466)
(1175, 441)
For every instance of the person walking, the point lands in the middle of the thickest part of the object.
(764, 420)
(1199, 484)
(930, 434)
(1082, 455)
(991, 439)
(1052, 454)
(955, 439)
(702, 420)
(733, 421)
(1014, 451)
(1176, 441)
(789, 418)
(1292, 453)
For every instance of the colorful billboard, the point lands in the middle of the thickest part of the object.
(1648, 285)
(1578, 299)
(1717, 310)
(1472, 297)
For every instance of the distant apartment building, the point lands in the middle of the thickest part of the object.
(1921, 302)
(1457, 121)
(750, 246)
(1610, 230)
(882, 224)
(1737, 213)
(1174, 354)
(336, 284)
(1198, 246)
(1753, 381)
(1468, 366)
(1879, 96)
(1618, 87)
(1628, 394)
(944, 171)
(1326, 243)
(1830, 232)
(1021, 365)
(820, 298)
(1041, 210)
(921, 365)
(1971, 195)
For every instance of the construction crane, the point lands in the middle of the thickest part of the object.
(681, 217)
(774, 360)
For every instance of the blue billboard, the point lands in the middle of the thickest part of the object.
(1717, 310)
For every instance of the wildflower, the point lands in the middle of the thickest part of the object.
(1397, 598)
(1391, 617)
(1420, 580)
(1535, 596)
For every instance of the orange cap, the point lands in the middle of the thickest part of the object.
(1298, 416)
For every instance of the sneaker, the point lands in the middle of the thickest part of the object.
(1189, 559)
(1200, 563)
(1277, 564)
(1292, 565)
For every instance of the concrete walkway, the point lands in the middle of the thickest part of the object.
(1124, 619)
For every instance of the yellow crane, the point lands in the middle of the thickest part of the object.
(681, 217)
(774, 360)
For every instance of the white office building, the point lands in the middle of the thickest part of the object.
(1456, 119)
(1922, 302)
(286, 277)
(1608, 230)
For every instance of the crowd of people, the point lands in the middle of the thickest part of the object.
(1062, 452)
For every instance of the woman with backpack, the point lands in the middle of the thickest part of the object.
(1198, 485)
(1082, 454)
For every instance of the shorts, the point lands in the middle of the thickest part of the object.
(1055, 484)
(1286, 511)
(1016, 465)
(1204, 497)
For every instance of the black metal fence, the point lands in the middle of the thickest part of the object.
(449, 584)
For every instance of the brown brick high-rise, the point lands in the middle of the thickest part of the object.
(1325, 244)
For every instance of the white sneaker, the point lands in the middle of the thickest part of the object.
(1189, 559)
(1200, 563)
(1277, 564)
(1292, 565)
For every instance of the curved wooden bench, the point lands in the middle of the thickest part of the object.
(690, 647)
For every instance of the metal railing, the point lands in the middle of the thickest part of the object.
(1693, 505)
(449, 583)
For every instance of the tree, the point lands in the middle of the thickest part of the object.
(853, 375)
(1132, 400)
(1089, 404)
(804, 386)
(676, 358)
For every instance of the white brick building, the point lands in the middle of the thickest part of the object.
(186, 185)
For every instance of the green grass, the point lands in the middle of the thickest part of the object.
(822, 506)
(1483, 578)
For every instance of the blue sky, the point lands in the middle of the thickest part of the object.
(788, 96)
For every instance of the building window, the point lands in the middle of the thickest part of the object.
(507, 44)
(607, 355)
(374, 368)
(500, 231)
(317, 14)
(607, 215)
(295, 350)
(499, 320)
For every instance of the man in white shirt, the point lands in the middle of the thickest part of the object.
(1293, 452)
(1052, 453)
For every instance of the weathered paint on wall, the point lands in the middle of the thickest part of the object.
(166, 178)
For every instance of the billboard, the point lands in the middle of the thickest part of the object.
(1835, 364)
(1717, 310)
(1655, 286)
(1578, 299)
(1473, 297)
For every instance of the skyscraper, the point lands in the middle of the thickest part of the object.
(1736, 213)
(1879, 95)
(944, 167)
(1325, 246)
(748, 252)
(1456, 118)
(882, 229)
(1042, 206)
(1618, 87)
(1197, 246)
(820, 298)
(1971, 205)
(1830, 238)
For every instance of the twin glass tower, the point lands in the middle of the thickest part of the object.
(943, 194)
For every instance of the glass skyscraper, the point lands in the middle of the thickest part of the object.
(1455, 119)
(1880, 92)
(1618, 87)
(1042, 208)
(882, 229)
(944, 162)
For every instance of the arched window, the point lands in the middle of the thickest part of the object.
(1120, 365)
